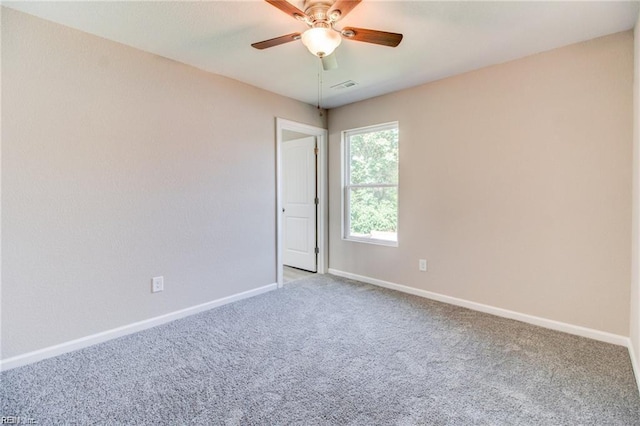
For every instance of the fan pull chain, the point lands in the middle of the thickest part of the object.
(319, 87)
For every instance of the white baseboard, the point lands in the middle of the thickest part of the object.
(634, 363)
(83, 342)
(577, 330)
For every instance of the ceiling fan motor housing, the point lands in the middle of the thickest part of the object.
(316, 11)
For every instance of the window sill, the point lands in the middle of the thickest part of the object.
(373, 241)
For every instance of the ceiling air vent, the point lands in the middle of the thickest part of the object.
(344, 85)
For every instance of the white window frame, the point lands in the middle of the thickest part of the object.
(346, 185)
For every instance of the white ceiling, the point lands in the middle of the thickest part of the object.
(440, 38)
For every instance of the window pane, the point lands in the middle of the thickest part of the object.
(373, 157)
(374, 213)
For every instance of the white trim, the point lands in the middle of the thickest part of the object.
(374, 241)
(577, 330)
(322, 136)
(372, 127)
(83, 342)
(634, 363)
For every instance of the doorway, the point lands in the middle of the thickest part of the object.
(299, 201)
(301, 207)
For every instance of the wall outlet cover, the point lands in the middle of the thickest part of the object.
(157, 284)
(422, 265)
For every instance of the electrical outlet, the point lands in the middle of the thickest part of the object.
(422, 265)
(157, 284)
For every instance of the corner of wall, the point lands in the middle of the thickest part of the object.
(1, 8)
(634, 326)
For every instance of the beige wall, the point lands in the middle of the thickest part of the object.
(634, 323)
(118, 166)
(515, 185)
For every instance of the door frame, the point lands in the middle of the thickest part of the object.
(323, 210)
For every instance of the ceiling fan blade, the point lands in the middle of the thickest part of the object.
(329, 62)
(343, 7)
(372, 36)
(276, 41)
(287, 8)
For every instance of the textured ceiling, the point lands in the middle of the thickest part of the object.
(440, 38)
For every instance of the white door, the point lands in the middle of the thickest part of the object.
(299, 203)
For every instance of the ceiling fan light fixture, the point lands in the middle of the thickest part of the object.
(321, 41)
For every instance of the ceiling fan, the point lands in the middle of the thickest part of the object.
(322, 37)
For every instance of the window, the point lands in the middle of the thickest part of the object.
(370, 183)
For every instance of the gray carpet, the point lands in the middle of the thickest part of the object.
(326, 351)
